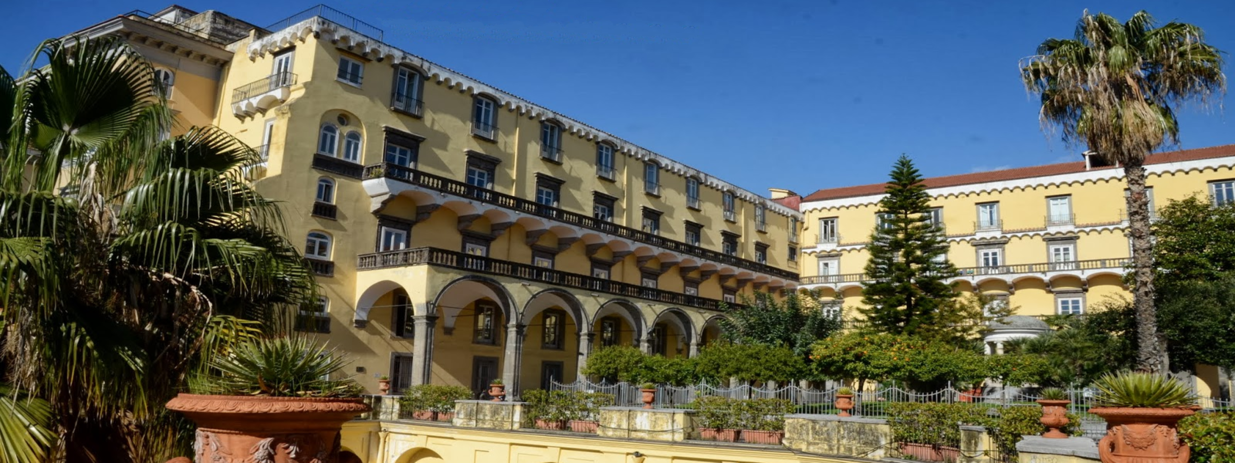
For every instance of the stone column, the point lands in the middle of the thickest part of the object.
(422, 348)
(644, 345)
(585, 350)
(999, 348)
(512, 364)
(694, 348)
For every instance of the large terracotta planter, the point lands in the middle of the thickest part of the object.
(498, 391)
(722, 435)
(1054, 417)
(844, 403)
(649, 396)
(425, 415)
(589, 427)
(444, 416)
(926, 452)
(762, 437)
(554, 425)
(248, 428)
(1142, 435)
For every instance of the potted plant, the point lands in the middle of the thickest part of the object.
(547, 409)
(715, 418)
(764, 420)
(431, 402)
(649, 394)
(383, 384)
(584, 417)
(446, 396)
(497, 390)
(1054, 413)
(269, 399)
(1141, 412)
(844, 401)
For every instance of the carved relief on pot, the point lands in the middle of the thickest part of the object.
(223, 447)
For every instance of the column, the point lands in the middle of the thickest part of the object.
(694, 348)
(585, 350)
(513, 361)
(422, 348)
(644, 345)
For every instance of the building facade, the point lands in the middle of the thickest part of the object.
(460, 233)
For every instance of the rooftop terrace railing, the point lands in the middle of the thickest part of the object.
(332, 15)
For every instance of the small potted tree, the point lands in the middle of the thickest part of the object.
(383, 384)
(497, 390)
(649, 394)
(1054, 413)
(764, 420)
(715, 418)
(844, 401)
(1142, 411)
(584, 417)
(271, 399)
(546, 408)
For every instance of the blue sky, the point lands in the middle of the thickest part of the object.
(795, 94)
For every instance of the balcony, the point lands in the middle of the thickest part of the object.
(551, 153)
(323, 268)
(406, 104)
(263, 94)
(605, 172)
(988, 226)
(462, 261)
(651, 188)
(337, 166)
(454, 187)
(1060, 220)
(730, 216)
(1043, 268)
(325, 210)
(486, 131)
(829, 238)
(692, 202)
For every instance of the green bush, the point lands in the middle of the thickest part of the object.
(563, 405)
(432, 397)
(1013, 423)
(625, 363)
(294, 366)
(715, 412)
(718, 363)
(1210, 435)
(1137, 389)
(933, 423)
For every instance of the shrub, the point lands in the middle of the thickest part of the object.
(545, 405)
(1210, 435)
(715, 412)
(1013, 423)
(932, 423)
(924, 365)
(764, 414)
(718, 363)
(432, 397)
(292, 366)
(1136, 389)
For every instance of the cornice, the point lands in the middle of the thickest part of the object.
(974, 239)
(1049, 181)
(355, 42)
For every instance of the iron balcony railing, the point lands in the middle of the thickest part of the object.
(484, 130)
(605, 172)
(1057, 220)
(271, 82)
(986, 226)
(651, 188)
(730, 216)
(692, 202)
(332, 15)
(829, 238)
(407, 104)
(337, 166)
(325, 210)
(1041, 268)
(464, 261)
(324, 268)
(552, 153)
(461, 189)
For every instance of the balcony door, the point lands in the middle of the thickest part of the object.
(829, 267)
(393, 239)
(281, 75)
(1063, 256)
(484, 371)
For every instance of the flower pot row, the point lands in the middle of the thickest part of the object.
(749, 436)
(583, 426)
(427, 415)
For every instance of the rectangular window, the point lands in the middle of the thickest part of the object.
(793, 253)
(761, 218)
(604, 161)
(883, 220)
(484, 118)
(1062, 255)
(548, 190)
(761, 253)
(649, 280)
(600, 270)
(990, 258)
(988, 217)
(1070, 305)
(827, 231)
(267, 134)
(485, 332)
(692, 192)
(475, 247)
(729, 295)
(1222, 192)
(399, 154)
(481, 171)
(551, 141)
(1149, 195)
(691, 288)
(1059, 210)
(393, 239)
(793, 229)
(727, 201)
(651, 178)
(935, 216)
(282, 69)
(609, 332)
(406, 95)
(729, 243)
(401, 370)
(402, 325)
(829, 266)
(542, 259)
(554, 329)
(350, 71)
(651, 221)
(694, 233)
(603, 207)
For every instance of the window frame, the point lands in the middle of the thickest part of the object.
(328, 197)
(1053, 218)
(729, 206)
(402, 316)
(651, 221)
(832, 262)
(558, 330)
(995, 222)
(825, 232)
(322, 240)
(484, 117)
(485, 309)
(692, 193)
(397, 140)
(482, 164)
(334, 142)
(761, 218)
(1228, 193)
(601, 200)
(357, 72)
(605, 161)
(163, 86)
(551, 141)
(1077, 297)
(409, 102)
(651, 178)
(761, 253)
(353, 148)
(696, 230)
(610, 325)
(384, 231)
(548, 188)
(730, 243)
(539, 256)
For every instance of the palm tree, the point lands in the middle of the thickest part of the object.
(126, 255)
(1116, 87)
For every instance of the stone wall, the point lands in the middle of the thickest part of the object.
(1037, 449)
(488, 414)
(833, 435)
(656, 424)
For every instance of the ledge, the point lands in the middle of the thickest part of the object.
(655, 424)
(1035, 448)
(488, 414)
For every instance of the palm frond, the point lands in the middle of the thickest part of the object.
(25, 422)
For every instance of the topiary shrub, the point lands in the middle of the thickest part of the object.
(932, 423)
(1211, 436)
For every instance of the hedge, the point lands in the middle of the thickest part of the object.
(1211, 436)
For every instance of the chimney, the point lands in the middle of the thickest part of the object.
(779, 193)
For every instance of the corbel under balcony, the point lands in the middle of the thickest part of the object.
(265, 93)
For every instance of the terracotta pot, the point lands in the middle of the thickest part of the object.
(555, 425)
(426, 415)
(649, 396)
(926, 452)
(1136, 435)
(498, 391)
(589, 427)
(722, 435)
(1054, 416)
(762, 437)
(383, 385)
(291, 429)
(444, 416)
(844, 403)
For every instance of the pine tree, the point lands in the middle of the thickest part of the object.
(908, 264)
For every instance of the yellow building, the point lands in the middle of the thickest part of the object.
(461, 233)
(1047, 239)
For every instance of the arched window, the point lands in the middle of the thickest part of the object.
(163, 82)
(325, 190)
(351, 146)
(328, 140)
(317, 245)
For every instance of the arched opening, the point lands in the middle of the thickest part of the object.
(469, 340)
(421, 455)
(671, 334)
(711, 332)
(617, 323)
(553, 321)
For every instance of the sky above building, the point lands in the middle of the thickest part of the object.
(791, 94)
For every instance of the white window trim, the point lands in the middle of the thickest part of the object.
(318, 195)
(359, 74)
(325, 238)
(334, 146)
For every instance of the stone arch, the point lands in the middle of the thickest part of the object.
(485, 286)
(370, 295)
(711, 330)
(419, 455)
(626, 310)
(687, 331)
(545, 299)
